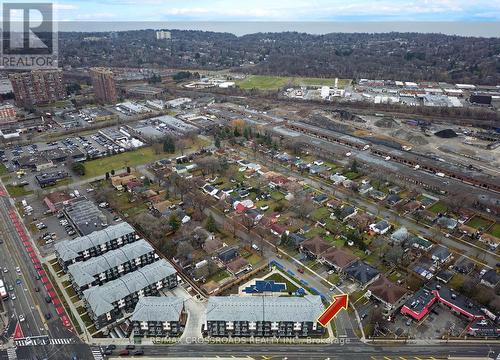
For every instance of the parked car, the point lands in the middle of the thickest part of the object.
(300, 270)
(124, 352)
(21, 318)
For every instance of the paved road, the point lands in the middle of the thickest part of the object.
(29, 302)
(353, 350)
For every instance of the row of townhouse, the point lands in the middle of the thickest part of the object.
(109, 302)
(235, 316)
(111, 265)
(94, 244)
(263, 316)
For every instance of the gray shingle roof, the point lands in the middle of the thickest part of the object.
(69, 249)
(83, 273)
(158, 308)
(101, 298)
(264, 308)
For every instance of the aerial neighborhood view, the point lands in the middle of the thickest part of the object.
(202, 180)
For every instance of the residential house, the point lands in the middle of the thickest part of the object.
(338, 258)
(337, 178)
(295, 239)
(420, 243)
(490, 278)
(320, 199)
(447, 222)
(314, 247)
(365, 188)
(393, 199)
(346, 212)
(263, 316)
(238, 266)
(381, 227)
(441, 254)
(362, 273)
(377, 195)
(400, 236)
(158, 316)
(229, 254)
(277, 230)
(388, 293)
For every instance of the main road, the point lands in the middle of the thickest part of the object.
(19, 274)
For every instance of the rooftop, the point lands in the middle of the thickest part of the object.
(264, 308)
(83, 273)
(362, 272)
(387, 291)
(85, 215)
(101, 299)
(69, 249)
(158, 308)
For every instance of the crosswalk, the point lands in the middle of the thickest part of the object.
(96, 352)
(11, 354)
(43, 341)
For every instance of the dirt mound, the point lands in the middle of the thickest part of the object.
(446, 134)
(414, 139)
(386, 122)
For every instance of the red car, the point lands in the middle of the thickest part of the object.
(124, 352)
(300, 270)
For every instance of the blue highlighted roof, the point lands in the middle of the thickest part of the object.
(261, 286)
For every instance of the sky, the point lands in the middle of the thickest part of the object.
(285, 11)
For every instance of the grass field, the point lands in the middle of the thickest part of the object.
(263, 82)
(495, 230)
(120, 161)
(16, 191)
(479, 222)
(438, 207)
(3, 170)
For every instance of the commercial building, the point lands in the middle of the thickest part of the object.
(111, 301)
(264, 316)
(421, 302)
(37, 87)
(49, 179)
(104, 85)
(95, 244)
(111, 265)
(85, 216)
(158, 316)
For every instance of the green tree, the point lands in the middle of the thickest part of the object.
(168, 145)
(78, 168)
(217, 142)
(174, 222)
(211, 225)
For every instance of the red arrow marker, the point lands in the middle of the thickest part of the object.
(339, 302)
(18, 332)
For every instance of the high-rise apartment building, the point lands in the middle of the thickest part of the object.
(37, 87)
(104, 85)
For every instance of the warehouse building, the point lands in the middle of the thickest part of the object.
(95, 244)
(264, 316)
(85, 216)
(111, 265)
(111, 301)
(158, 316)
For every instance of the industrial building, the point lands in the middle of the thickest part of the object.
(109, 302)
(95, 244)
(264, 316)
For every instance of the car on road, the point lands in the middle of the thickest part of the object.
(363, 316)
(18, 269)
(5, 270)
(108, 352)
(10, 287)
(130, 347)
(21, 318)
(139, 352)
(300, 270)
(48, 299)
(124, 352)
(37, 289)
(12, 296)
(48, 315)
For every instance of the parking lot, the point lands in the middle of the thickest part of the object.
(440, 322)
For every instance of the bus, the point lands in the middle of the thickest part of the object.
(3, 292)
